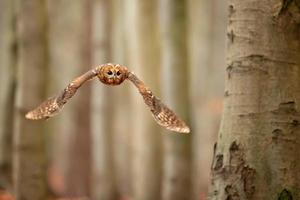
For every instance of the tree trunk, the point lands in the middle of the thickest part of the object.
(69, 57)
(207, 57)
(103, 179)
(257, 155)
(176, 169)
(7, 88)
(29, 136)
(143, 55)
(122, 136)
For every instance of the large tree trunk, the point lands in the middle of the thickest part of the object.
(257, 154)
(69, 57)
(29, 136)
(7, 88)
(103, 179)
(207, 58)
(144, 61)
(176, 169)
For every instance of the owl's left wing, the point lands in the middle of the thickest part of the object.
(163, 115)
(53, 105)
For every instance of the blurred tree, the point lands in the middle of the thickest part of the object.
(177, 147)
(122, 105)
(103, 179)
(69, 39)
(207, 58)
(143, 55)
(7, 88)
(29, 136)
(257, 155)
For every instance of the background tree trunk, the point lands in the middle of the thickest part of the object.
(144, 61)
(7, 88)
(207, 27)
(69, 57)
(103, 179)
(122, 105)
(257, 155)
(29, 136)
(176, 168)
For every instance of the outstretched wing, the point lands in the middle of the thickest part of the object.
(163, 115)
(53, 105)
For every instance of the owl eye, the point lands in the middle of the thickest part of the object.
(118, 73)
(109, 73)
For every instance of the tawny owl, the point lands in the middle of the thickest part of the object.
(111, 74)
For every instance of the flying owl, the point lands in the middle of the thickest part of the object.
(111, 74)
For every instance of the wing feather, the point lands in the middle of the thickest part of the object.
(163, 115)
(54, 105)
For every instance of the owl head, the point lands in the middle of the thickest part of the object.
(112, 74)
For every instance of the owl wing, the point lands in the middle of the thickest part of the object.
(163, 115)
(53, 105)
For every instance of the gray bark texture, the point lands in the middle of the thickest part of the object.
(176, 184)
(102, 113)
(7, 88)
(29, 136)
(257, 154)
(143, 54)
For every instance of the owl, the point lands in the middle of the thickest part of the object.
(111, 74)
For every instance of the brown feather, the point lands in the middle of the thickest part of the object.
(111, 74)
(163, 115)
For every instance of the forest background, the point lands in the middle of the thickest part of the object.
(105, 144)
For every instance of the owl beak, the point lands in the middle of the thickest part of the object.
(115, 76)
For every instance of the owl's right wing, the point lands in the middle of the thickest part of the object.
(163, 115)
(53, 105)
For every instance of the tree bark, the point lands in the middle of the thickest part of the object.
(7, 88)
(102, 113)
(143, 55)
(257, 154)
(206, 57)
(29, 136)
(177, 147)
(69, 57)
